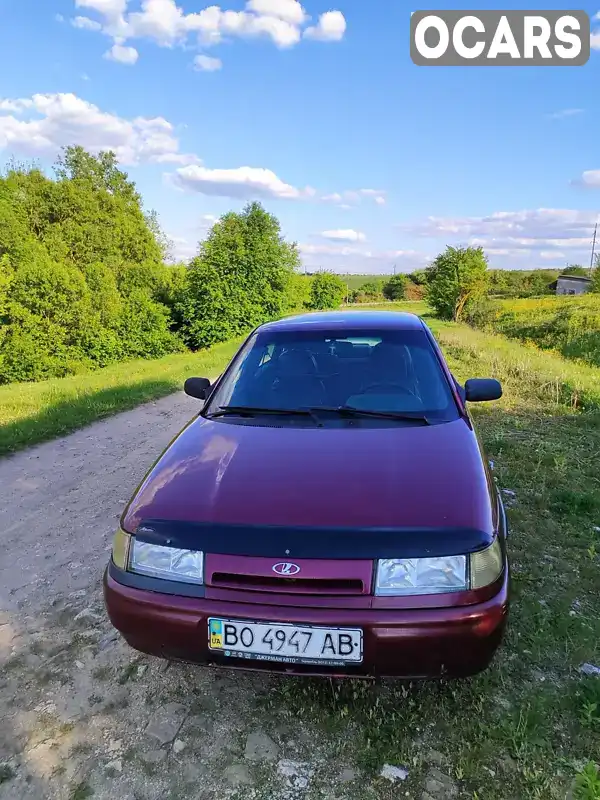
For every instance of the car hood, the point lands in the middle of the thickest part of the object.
(351, 477)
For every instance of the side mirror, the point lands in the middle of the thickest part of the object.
(478, 390)
(197, 387)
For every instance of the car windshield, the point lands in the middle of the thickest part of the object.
(386, 370)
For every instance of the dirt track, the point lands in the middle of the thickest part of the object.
(81, 714)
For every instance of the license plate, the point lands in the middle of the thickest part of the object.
(287, 644)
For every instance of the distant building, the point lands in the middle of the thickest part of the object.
(571, 284)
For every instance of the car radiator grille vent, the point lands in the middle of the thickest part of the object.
(259, 583)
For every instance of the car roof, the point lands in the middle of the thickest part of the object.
(357, 320)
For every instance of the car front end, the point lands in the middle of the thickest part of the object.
(411, 617)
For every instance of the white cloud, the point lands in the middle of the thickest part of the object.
(204, 63)
(42, 124)
(15, 105)
(347, 235)
(246, 25)
(108, 8)
(331, 27)
(534, 224)
(353, 197)
(565, 112)
(122, 54)
(59, 18)
(595, 40)
(209, 219)
(591, 177)
(182, 248)
(516, 235)
(165, 23)
(240, 182)
(85, 23)
(289, 10)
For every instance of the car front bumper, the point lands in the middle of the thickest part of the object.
(409, 643)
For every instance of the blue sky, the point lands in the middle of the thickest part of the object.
(317, 110)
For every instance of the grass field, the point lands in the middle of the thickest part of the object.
(569, 325)
(33, 412)
(530, 726)
(356, 281)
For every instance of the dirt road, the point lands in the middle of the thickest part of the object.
(81, 714)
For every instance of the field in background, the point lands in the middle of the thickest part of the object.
(569, 325)
(356, 281)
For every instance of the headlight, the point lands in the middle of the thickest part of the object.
(407, 576)
(486, 565)
(399, 576)
(169, 563)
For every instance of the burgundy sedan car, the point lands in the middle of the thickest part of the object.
(329, 511)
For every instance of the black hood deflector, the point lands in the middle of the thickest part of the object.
(270, 541)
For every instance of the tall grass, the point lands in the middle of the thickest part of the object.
(569, 325)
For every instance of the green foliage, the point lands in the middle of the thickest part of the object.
(481, 313)
(595, 288)
(368, 292)
(240, 279)
(327, 291)
(587, 783)
(456, 276)
(521, 283)
(395, 288)
(298, 293)
(419, 277)
(575, 269)
(81, 270)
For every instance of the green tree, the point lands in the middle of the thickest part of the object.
(395, 288)
(457, 275)
(595, 287)
(575, 269)
(418, 277)
(372, 289)
(81, 270)
(240, 278)
(327, 291)
(298, 293)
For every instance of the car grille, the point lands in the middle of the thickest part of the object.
(259, 583)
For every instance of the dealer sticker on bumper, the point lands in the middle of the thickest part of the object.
(291, 644)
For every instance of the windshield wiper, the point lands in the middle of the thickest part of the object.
(251, 411)
(351, 411)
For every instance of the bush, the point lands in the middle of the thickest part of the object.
(327, 291)
(481, 312)
(395, 288)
